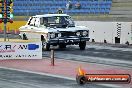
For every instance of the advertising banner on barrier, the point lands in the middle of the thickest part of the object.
(10, 50)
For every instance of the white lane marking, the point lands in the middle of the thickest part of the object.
(39, 73)
(58, 76)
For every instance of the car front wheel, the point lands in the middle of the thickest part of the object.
(45, 46)
(82, 45)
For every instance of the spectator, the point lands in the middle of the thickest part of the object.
(78, 5)
(60, 11)
(69, 5)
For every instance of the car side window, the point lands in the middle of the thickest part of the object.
(44, 21)
(32, 21)
(29, 22)
(51, 20)
(41, 21)
(36, 24)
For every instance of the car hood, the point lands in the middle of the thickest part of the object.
(46, 30)
(68, 29)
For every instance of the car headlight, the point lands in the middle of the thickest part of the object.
(84, 33)
(78, 33)
(59, 35)
(52, 35)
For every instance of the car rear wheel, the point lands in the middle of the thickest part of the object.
(82, 45)
(25, 37)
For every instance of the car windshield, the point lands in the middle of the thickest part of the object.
(57, 21)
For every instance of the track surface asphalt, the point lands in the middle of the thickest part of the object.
(65, 68)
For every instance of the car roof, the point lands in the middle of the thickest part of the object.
(50, 15)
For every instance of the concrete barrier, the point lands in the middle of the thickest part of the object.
(110, 32)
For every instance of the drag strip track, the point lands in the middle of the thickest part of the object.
(110, 56)
(17, 79)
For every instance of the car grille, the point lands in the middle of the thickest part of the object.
(66, 34)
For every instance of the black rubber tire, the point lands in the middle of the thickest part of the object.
(62, 46)
(45, 46)
(20, 37)
(24, 37)
(82, 45)
(81, 80)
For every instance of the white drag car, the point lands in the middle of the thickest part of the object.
(55, 29)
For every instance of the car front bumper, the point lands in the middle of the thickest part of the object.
(68, 41)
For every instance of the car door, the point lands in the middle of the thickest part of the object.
(36, 30)
(31, 28)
